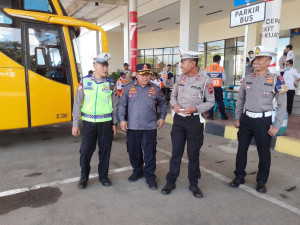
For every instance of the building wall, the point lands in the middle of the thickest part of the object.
(116, 49)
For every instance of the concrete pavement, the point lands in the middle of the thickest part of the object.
(47, 159)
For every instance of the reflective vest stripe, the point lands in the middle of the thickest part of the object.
(105, 116)
(215, 72)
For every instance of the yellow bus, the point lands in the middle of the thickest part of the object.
(39, 62)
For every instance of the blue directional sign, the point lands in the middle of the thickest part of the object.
(242, 2)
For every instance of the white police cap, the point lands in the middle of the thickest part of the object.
(263, 51)
(188, 54)
(103, 57)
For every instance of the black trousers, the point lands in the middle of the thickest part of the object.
(290, 100)
(190, 130)
(257, 128)
(92, 132)
(137, 142)
(219, 99)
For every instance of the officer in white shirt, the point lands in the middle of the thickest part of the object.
(290, 53)
(291, 77)
(154, 79)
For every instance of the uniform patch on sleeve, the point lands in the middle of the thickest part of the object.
(210, 88)
(280, 86)
(80, 86)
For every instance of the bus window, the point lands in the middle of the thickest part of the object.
(45, 46)
(40, 55)
(4, 19)
(38, 5)
(10, 43)
(76, 53)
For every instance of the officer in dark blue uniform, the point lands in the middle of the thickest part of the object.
(137, 103)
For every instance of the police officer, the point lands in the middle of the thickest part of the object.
(138, 105)
(217, 74)
(187, 102)
(254, 116)
(128, 73)
(98, 106)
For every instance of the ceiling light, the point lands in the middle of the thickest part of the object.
(164, 19)
(214, 12)
(201, 7)
(157, 29)
(141, 27)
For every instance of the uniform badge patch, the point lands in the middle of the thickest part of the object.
(280, 86)
(194, 96)
(89, 85)
(79, 87)
(270, 80)
(266, 92)
(210, 88)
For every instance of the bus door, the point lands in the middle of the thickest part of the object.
(48, 76)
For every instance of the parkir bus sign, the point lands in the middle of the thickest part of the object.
(251, 14)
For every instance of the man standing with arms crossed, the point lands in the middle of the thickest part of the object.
(254, 116)
(187, 102)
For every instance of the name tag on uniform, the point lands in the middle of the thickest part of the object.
(266, 84)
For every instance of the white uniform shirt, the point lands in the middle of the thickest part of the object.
(290, 76)
(290, 55)
(156, 82)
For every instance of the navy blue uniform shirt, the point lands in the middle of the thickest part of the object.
(140, 101)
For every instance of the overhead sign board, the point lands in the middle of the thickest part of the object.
(250, 14)
(242, 2)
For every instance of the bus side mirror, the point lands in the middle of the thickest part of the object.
(40, 56)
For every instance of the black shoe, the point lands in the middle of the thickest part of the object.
(261, 188)
(210, 118)
(152, 184)
(196, 191)
(236, 182)
(225, 117)
(168, 189)
(82, 184)
(105, 181)
(135, 176)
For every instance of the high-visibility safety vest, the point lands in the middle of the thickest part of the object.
(97, 106)
(215, 72)
(120, 85)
